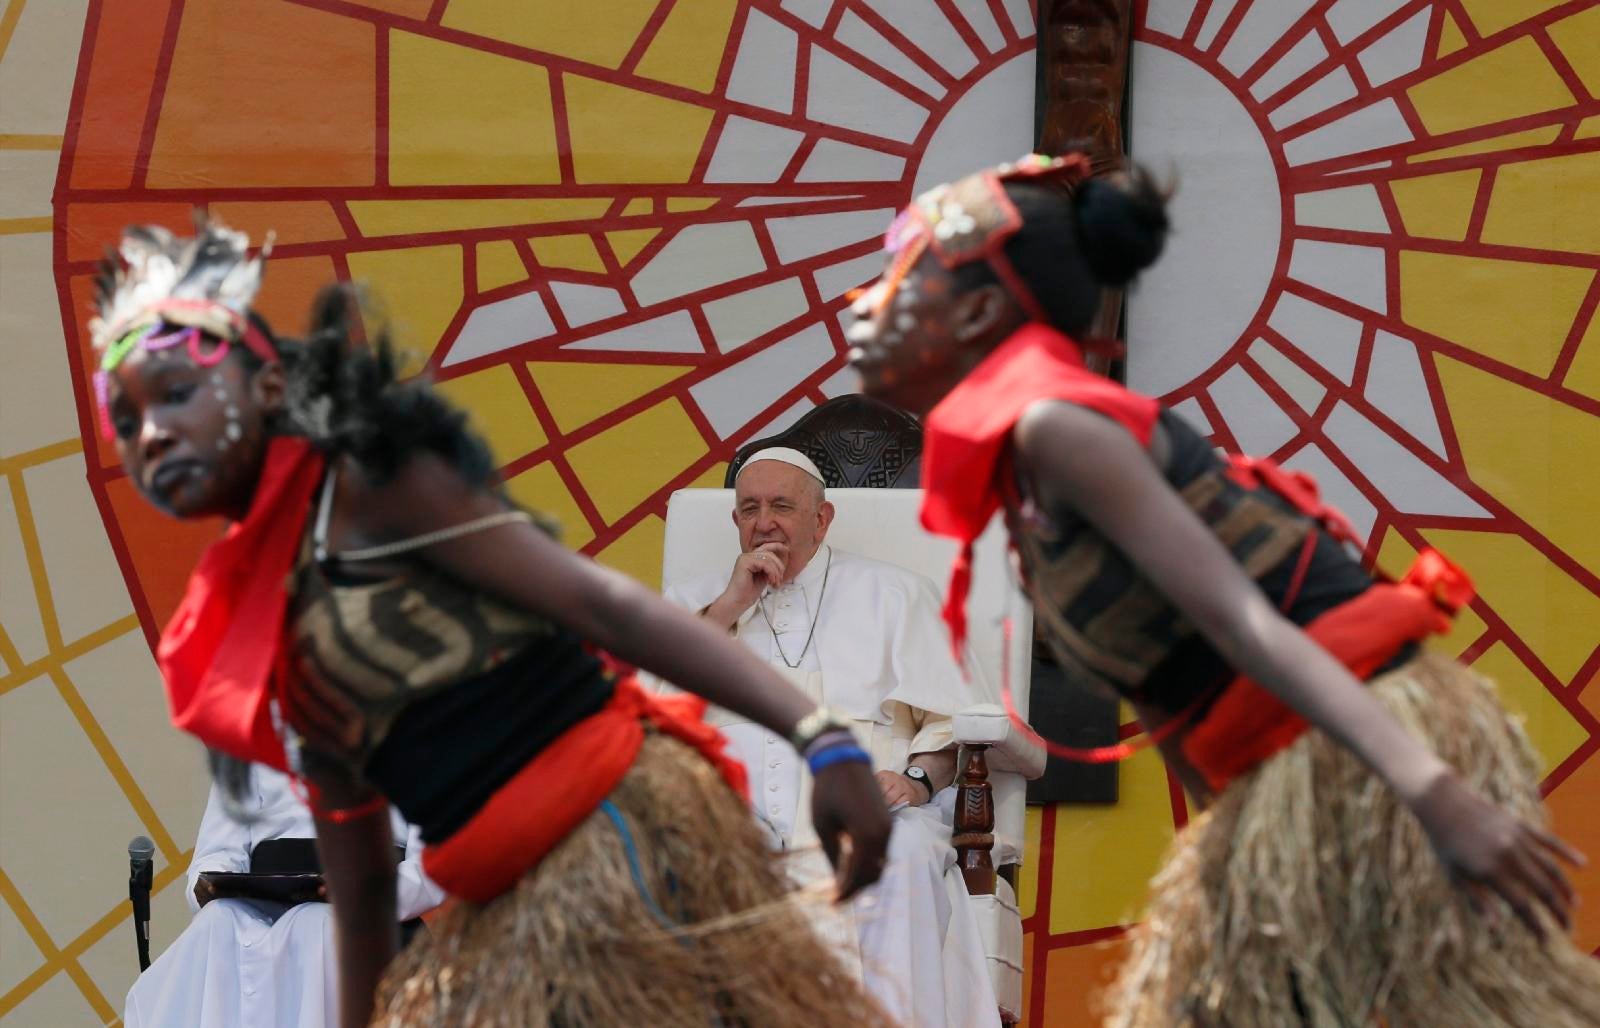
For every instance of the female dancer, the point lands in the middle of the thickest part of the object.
(1216, 597)
(430, 649)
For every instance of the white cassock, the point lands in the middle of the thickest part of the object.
(879, 654)
(245, 963)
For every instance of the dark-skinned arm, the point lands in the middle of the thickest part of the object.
(1086, 463)
(359, 873)
(525, 567)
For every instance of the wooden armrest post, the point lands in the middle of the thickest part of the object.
(973, 838)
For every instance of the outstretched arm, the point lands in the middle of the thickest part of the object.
(1085, 462)
(525, 567)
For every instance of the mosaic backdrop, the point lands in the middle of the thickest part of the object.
(623, 240)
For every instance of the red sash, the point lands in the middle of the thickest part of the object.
(545, 801)
(965, 436)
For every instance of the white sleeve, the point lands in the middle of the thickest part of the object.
(222, 844)
(415, 893)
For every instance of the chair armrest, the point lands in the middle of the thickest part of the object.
(986, 724)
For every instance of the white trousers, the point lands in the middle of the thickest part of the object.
(242, 964)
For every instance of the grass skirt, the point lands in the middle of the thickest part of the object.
(718, 941)
(1307, 895)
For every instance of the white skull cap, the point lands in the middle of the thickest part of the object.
(784, 455)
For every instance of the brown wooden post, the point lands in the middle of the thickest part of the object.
(973, 837)
(1083, 87)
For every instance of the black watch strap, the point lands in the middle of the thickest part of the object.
(916, 774)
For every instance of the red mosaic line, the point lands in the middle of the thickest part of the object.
(1469, 31)
(1558, 60)
(1431, 41)
(647, 35)
(436, 14)
(569, 65)
(1580, 323)
(558, 459)
(1230, 25)
(811, 36)
(1306, 25)
(963, 28)
(882, 26)
(562, 128)
(1480, 206)
(1002, 18)
(1039, 923)
(1197, 20)
(158, 92)
(380, 113)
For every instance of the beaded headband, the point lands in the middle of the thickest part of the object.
(169, 291)
(970, 220)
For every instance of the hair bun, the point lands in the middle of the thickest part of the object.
(1121, 227)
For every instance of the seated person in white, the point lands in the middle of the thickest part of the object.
(865, 638)
(252, 963)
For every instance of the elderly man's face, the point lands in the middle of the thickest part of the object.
(779, 507)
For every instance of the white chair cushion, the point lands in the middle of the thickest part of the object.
(1009, 750)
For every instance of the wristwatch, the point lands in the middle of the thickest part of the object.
(916, 774)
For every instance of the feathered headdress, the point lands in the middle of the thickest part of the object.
(195, 287)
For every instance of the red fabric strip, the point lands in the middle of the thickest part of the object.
(218, 652)
(544, 802)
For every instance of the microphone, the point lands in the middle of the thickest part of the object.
(141, 854)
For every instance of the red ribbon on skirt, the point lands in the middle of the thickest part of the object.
(566, 782)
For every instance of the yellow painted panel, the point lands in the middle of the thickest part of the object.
(623, 466)
(638, 552)
(623, 135)
(420, 290)
(499, 264)
(500, 411)
(1028, 880)
(1437, 206)
(403, 217)
(1451, 38)
(579, 392)
(1532, 203)
(626, 245)
(540, 488)
(711, 478)
(1106, 856)
(1511, 311)
(640, 205)
(562, 27)
(688, 49)
(1542, 136)
(1578, 39)
(1584, 374)
(576, 253)
(678, 204)
(1536, 455)
(1394, 558)
(1554, 732)
(1505, 83)
(1490, 16)
(458, 115)
(1589, 127)
(1546, 608)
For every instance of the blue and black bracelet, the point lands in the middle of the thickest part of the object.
(840, 753)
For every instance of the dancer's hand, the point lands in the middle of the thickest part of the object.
(848, 813)
(1490, 851)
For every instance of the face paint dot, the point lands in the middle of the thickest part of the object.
(222, 444)
(904, 321)
(216, 379)
(231, 412)
(233, 431)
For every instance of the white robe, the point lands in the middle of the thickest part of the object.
(879, 655)
(253, 963)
